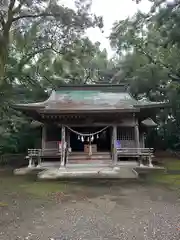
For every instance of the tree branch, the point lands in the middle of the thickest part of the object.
(35, 16)
(51, 83)
(115, 75)
(171, 74)
(8, 24)
(2, 20)
(33, 54)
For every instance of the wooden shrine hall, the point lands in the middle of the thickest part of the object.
(91, 125)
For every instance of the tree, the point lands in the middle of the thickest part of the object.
(165, 15)
(83, 63)
(57, 23)
(39, 38)
(149, 61)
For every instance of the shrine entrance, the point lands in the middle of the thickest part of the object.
(98, 137)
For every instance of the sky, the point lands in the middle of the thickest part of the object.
(111, 11)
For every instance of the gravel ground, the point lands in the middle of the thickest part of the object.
(92, 212)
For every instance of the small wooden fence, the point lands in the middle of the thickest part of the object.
(134, 152)
(44, 152)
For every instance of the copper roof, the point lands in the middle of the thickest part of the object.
(89, 98)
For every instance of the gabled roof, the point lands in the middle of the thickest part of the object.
(148, 122)
(89, 98)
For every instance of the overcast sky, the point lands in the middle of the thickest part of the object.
(111, 10)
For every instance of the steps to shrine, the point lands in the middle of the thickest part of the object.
(95, 158)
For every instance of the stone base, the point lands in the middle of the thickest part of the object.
(87, 173)
(23, 171)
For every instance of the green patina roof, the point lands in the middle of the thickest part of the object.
(94, 97)
(89, 98)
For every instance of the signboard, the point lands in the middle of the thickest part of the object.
(118, 144)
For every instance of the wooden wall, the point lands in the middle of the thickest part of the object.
(126, 135)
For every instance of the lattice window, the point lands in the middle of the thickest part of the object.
(125, 133)
(126, 137)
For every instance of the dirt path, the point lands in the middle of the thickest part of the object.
(87, 211)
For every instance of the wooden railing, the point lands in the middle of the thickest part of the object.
(44, 152)
(34, 152)
(35, 155)
(144, 155)
(135, 152)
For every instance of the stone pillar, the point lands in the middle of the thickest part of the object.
(30, 157)
(63, 136)
(31, 164)
(39, 158)
(150, 158)
(114, 144)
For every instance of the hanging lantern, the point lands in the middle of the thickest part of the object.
(88, 139)
(97, 136)
(78, 137)
(92, 138)
(82, 139)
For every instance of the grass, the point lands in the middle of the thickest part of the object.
(28, 185)
(172, 164)
(172, 180)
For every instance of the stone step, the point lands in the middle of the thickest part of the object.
(88, 166)
(87, 157)
(89, 162)
(94, 153)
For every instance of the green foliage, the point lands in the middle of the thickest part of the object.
(43, 46)
(151, 63)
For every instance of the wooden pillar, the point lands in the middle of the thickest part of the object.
(68, 139)
(137, 141)
(143, 140)
(136, 134)
(63, 134)
(114, 144)
(43, 140)
(68, 144)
